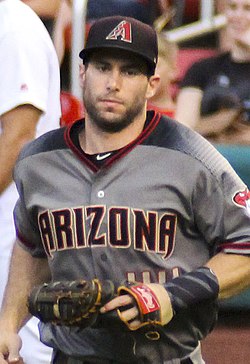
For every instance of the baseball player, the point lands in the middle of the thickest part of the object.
(29, 107)
(133, 197)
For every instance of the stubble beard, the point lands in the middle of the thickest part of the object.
(113, 124)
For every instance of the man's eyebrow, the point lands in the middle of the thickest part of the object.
(125, 63)
(93, 60)
(133, 64)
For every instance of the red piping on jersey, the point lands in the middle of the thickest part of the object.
(80, 154)
(234, 246)
(144, 134)
(124, 151)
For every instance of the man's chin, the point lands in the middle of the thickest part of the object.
(111, 126)
(113, 121)
(110, 121)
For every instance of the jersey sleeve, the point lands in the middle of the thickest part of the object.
(25, 214)
(222, 210)
(26, 231)
(24, 71)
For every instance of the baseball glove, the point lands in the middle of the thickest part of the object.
(70, 303)
(153, 303)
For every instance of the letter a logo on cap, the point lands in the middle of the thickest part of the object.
(122, 31)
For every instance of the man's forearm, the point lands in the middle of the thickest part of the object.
(18, 127)
(233, 273)
(25, 272)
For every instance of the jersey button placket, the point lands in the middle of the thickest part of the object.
(98, 197)
(100, 194)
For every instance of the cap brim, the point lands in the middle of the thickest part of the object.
(86, 52)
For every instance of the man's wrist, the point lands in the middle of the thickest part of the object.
(191, 288)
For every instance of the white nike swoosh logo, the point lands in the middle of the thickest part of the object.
(100, 157)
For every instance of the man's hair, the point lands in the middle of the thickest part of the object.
(148, 72)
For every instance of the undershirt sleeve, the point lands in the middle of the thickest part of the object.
(24, 71)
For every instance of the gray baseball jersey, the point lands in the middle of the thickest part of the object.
(161, 206)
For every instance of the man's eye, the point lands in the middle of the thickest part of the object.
(132, 72)
(102, 67)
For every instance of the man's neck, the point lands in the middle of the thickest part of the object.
(93, 140)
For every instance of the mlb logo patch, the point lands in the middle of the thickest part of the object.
(242, 199)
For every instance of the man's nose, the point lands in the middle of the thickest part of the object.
(114, 80)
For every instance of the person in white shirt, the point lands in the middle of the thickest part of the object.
(29, 107)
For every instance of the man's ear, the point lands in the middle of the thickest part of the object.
(82, 69)
(152, 86)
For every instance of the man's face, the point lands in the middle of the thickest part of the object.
(238, 16)
(115, 89)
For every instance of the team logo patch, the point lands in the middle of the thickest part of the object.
(242, 199)
(122, 32)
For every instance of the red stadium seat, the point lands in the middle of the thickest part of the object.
(72, 108)
(187, 56)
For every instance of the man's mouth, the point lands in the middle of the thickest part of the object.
(111, 101)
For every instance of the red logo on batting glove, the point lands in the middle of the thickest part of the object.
(147, 298)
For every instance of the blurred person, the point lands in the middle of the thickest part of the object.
(29, 106)
(233, 142)
(214, 91)
(163, 100)
(61, 26)
(46, 10)
(235, 131)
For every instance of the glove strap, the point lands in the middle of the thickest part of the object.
(153, 302)
(145, 298)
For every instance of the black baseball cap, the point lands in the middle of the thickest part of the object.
(124, 33)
